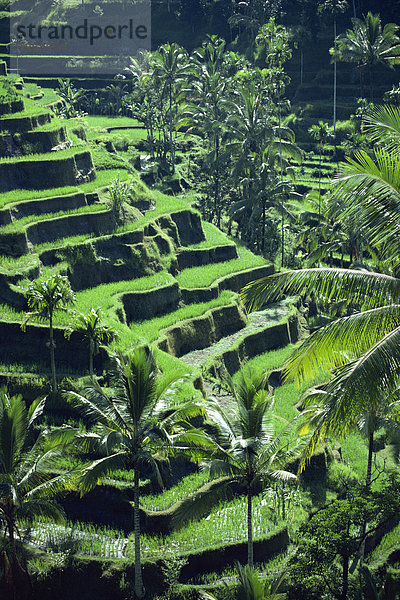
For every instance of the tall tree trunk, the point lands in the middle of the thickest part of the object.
(301, 65)
(282, 201)
(263, 227)
(139, 589)
(21, 584)
(345, 578)
(370, 454)
(171, 143)
(91, 352)
(250, 559)
(319, 179)
(217, 210)
(334, 80)
(52, 357)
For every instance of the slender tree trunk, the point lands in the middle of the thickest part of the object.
(282, 201)
(334, 81)
(345, 578)
(263, 228)
(370, 454)
(371, 84)
(301, 66)
(52, 358)
(91, 352)
(171, 143)
(367, 485)
(21, 582)
(319, 179)
(250, 559)
(216, 181)
(139, 589)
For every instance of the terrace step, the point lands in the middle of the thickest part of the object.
(234, 282)
(40, 141)
(197, 333)
(148, 304)
(71, 225)
(205, 256)
(51, 257)
(17, 346)
(21, 122)
(38, 207)
(273, 327)
(64, 169)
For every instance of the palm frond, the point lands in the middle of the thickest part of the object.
(371, 190)
(340, 341)
(361, 288)
(200, 503)
(382, 123)
(46, 510)
(98, 469)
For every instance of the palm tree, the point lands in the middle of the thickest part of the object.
(320, 133)
(376, 412)
(244, 447)
(170, 68)
(137, 422)
(335, 8)
(256, 143)
(45, 297)
(368, 45)
(27, 483)
(91, 327)
(362, 348)
(207, 110)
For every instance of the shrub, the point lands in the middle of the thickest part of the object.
(344, 130)
(341, 477)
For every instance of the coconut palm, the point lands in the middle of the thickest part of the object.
(207, 110)
(362, 348)
(170, 68)
(367, 191)
(376, 411)
(137, 422)
(92, 328)
(368, 44)
(45, 297)
(334, 8)
(27, 483)
(243, 446)
(320, 132)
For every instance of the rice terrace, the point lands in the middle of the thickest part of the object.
(199, 300)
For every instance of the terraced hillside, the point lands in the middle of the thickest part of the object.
(160, 274)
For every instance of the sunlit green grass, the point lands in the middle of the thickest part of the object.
(267, 361)
(104, 295)
(150, 330)
(103, 179)
(167, 498)
(21, 224)
(389, 541)
(47, 156)
(225, 524)
(214, 237)
(10, 265)
(104, 122)
(204, 276)
(164, 205)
